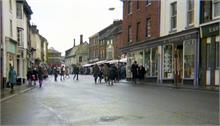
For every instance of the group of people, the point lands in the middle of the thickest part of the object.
(137, 71)
(109, 72)
(35, 74)
(63, 72)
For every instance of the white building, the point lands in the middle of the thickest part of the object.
(15, 29)
(179, 27)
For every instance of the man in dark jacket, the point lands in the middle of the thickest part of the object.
(134, 70)
(76, 72)
(141, 72)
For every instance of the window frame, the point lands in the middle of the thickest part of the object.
(173, 15)
(129, 7)
(138, 28)
(213, 9)
(129, 34)
(138, 5)
(148, 2)
(148, 28)
(11, 28)
(190, 10)
(19, 9)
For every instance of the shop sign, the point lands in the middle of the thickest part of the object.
(210, 30)
(11, 47)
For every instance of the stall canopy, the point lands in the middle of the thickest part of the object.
(87, 65)
(123, 60)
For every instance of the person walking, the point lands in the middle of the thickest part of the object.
(76, 73)
(55, 72)
(40, 75)
(12, 78)
(62, 72)
(134, 70)
(106, 72)
(100, 74)
(141, 72)
(95, 72)
(34, 75)
(112, 74)
(29, 77)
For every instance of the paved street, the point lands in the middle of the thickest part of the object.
(82, 102)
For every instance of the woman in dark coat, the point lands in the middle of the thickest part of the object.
(141, 72)
(96, 72)
(112, 74)
(40, 76)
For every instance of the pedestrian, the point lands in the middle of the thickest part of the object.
(29, 76)
(12, 78)
(67, 72)
(106, 72)
(112, 74)
(56, 72)
(76, 73)
(62, 72)
(100, 73)
(34, 75)
(141, 72)
(95, 72)
(134, 70)
(40, 75)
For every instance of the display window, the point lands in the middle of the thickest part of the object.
(168, 61)
(150, 62)
(189, 54)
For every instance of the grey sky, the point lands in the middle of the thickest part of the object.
(60, 21)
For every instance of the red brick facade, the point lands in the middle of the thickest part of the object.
(140, 15)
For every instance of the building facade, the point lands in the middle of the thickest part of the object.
(54, 58)
(141, 26)
(94, 48)
(210, 39)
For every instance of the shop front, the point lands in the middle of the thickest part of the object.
(210, 50)
(169, 59)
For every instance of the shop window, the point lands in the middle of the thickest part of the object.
(167, 61)
(208, 48)
(154, 62)
(147, 61)
(189, 55)
(217, 52)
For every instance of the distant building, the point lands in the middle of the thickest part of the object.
(106, 44)
(77, 54)
(54, 57)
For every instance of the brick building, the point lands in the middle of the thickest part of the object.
(141, 24)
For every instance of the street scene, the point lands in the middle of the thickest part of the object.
(112, 62)
(82, 102)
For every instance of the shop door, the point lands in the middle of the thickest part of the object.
(178, 63)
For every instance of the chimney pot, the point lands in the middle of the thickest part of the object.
(81, 39)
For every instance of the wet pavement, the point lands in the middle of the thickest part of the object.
(79, 103)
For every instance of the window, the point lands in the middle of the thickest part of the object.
(207, 11)
(20, 36)
(217, 51)
(216, 8)
(167, 61)
(148, 27)
(19, 11)
(148, 2)
(190, 12)
(138, 4)
(189, 46)
(208, 47)
(129, 7)
(10, 5)
(11, 28)
(173, 16)
(80, 59)
(138, 31)
(129, 34)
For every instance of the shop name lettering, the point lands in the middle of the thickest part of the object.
(213, 29)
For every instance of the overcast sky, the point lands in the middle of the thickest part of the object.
(60, 21)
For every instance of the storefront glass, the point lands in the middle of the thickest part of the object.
(189, 47)
(154, 62)
(147, 62)
(167, 61)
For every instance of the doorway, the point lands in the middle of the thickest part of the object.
(178, 63)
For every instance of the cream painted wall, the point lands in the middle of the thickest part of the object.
(8, 15)
(181, 15)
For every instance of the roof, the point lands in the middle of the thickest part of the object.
(52, 50)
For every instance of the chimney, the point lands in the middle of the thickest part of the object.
(74, 42)
(81, 39)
